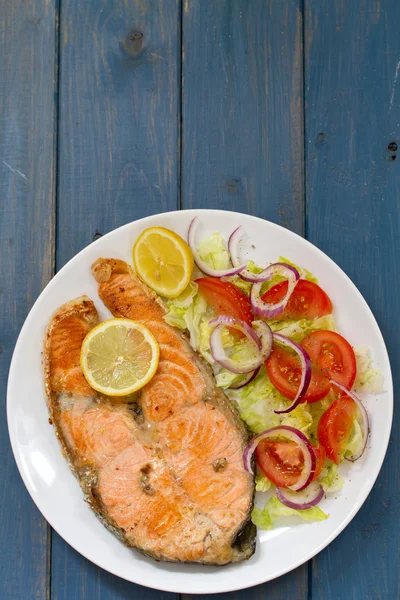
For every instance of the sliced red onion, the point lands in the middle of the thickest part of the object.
(294, 435)
(307, 498)
(266, 309)
(263, 343)
(233, 246)
(305, 370)
(239, 325)
(218, 351)
(264, 334)
(201, 264)
(364, 419)
(248, 379)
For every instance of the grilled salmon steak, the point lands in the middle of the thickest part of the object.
(163, 470)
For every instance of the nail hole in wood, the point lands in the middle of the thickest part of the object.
(392, 146)
(234, 185)
(96, 236)
(320, 140)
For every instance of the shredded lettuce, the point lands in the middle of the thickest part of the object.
(329, 477)
(354, 445)
(369, 379)
(189, 313)
(244, 286)
(303, 272)
(213, 250)
(297, 330)
(263, 484)
(265, 518)
(300, 418)
(257, 401)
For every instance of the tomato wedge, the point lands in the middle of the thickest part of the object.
(282, 461)
(226, 299)
(335, 426)
(284, 370)
(332, 355)
(307, 300)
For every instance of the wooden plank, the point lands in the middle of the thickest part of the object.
(119, 102)
(118, 161)
(28, 36)
(242, 132)
(242, 135)
(352, 59)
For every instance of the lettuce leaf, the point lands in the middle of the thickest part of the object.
(265, 518)
(214, 251)
(369, 379)
(354, 445)
(257, 401)
(329, 477)
(300, 418)
(297, 330)
(303, 272)
(263, 484)
(244, 286)
(189, 312)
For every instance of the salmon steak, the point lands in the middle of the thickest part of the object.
(162, 469)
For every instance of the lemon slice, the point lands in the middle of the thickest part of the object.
(119, 356)
(163, 260)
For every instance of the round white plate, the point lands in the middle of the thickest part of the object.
(55, 490)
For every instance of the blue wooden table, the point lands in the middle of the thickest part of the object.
(111, 110)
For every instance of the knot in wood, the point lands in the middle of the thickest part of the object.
(133, 42)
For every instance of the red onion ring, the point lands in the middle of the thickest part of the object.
(266, 309)
(364, 419)
(264, 334)
(248, 379)
(201, 264)
(294, 435)
(218, 351)
(305, 370)
(307, 498)
(263, 345)
(233, 244)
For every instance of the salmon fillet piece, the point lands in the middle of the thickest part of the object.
(162, 470)
(199, 431)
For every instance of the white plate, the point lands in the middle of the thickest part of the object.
(55, 490)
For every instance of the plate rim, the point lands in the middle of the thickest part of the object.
(388, 388)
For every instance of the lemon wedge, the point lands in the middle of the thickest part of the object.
(163, 260)
(119, 356)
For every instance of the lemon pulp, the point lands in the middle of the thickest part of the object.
(163, 260)
(119, 356)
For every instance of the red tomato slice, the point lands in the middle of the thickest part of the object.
(226, 299)
(332, 355)
(284, 370)
(320, 455)
(283, 461)
(335, 426)
(307, 300)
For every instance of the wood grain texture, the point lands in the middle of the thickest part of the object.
(27, 132)
(118, 161)
(119, 102)
(352, 88)
(242, 134)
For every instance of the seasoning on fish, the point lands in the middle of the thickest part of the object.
(164, 472)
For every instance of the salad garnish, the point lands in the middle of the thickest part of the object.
(270, 336)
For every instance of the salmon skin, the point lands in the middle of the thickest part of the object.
(163, 470)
